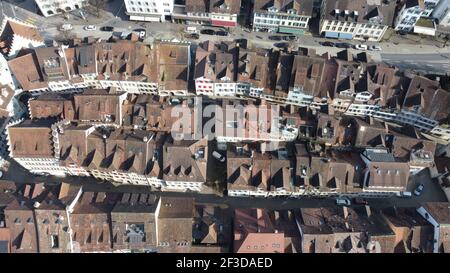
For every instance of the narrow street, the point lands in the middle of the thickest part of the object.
(432, 192)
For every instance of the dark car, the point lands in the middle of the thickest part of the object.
(242, 42)
(281, 45)
(290, 38)
(360, 201)
(275, 38)
(193, 36)
(343, 45)
(207, 32)
(326, 43)
(107, 29)
(221, 33)
(402, 32)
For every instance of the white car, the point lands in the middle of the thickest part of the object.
(404, 194)
(375, 48)
(361, 47)
(418, 191)
(90, 28)
(66, 27)
(191, 30)
(218, 156)
(343, 201)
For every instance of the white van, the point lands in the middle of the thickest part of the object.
(218, 156)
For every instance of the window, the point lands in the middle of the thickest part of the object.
(55, 241)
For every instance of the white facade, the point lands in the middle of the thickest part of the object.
(407, 17)
(223, 19)
(442, 13)
(225, 88)
(5, 74)
(445, 19)
(274, 21)
(352, 30)
(53, 7)
(430, 31)
(149, 10)
(204, 86)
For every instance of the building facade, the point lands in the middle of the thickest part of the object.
(53, 7)
(283, 16)
(361, 21)
(411, 11)
(149, 10)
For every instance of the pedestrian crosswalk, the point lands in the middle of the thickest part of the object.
(31, 21)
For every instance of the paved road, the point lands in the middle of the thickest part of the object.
(427, 58)
(426, 63)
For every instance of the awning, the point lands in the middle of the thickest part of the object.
(219, 23)
(330, 34)
(296, 31)
(348, 36)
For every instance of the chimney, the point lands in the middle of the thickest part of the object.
(38, 188)
(345, 209)
(368, 211)
(63, 190)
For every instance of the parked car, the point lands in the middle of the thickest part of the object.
(90, 28)
(66, 27)
(221, 33)
(326, 43)
(275, 38)
(109, 29)
(418, 191)
(402, 32)
(361, 47)
(218, 156)
(141, 32)
(375, 48)
(343, 45)
(404, 194)
(191, 30)
(343, 201)
(281, 45)
(290, 38)
(242, 42)
(360, 201)
(207, 32)
(193, 36)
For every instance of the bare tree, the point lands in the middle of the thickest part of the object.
(98, 5)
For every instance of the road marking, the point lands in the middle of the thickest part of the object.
(30, 21)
